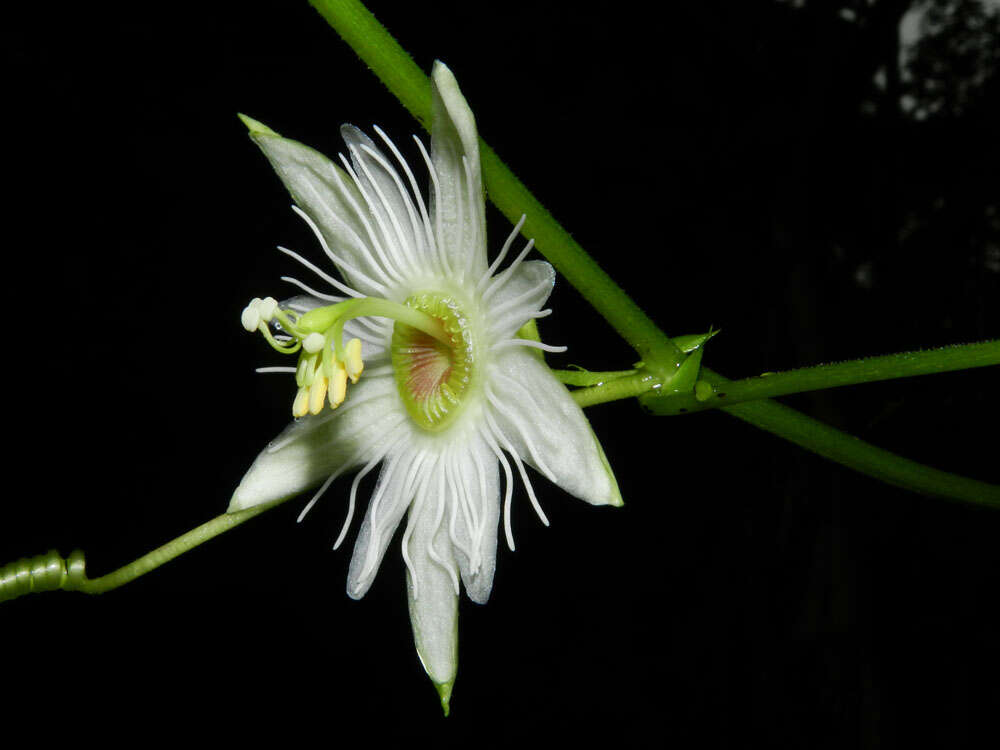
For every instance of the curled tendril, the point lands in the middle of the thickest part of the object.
(48, 572)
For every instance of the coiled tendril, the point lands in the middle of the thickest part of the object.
(48, 572)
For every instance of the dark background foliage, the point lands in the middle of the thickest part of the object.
(786, 171)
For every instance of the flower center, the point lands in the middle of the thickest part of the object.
(433, 374)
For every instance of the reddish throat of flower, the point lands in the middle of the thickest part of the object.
(434, 374)
(326, 363)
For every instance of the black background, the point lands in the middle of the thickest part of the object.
(730, 164)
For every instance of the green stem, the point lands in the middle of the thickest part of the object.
(590, 378)
(397, 70)
(50, 572)
(164, 554)
(615, 390)
(868, 370)
(866, 458)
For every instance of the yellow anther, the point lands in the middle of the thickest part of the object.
(338, 385)
(300, 407)
(353, 363)
(317, 394)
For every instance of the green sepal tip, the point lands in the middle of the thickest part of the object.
(255, 126)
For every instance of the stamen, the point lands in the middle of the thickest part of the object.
(353, 363)
(268, 370)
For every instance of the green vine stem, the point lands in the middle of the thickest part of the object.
(50, 572)
(770, 385)
(863, 457)
(396, 69)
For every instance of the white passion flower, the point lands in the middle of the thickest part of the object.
(449, 389)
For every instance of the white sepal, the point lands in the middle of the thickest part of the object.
(312, 448)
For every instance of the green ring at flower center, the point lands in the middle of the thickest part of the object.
(433, 377)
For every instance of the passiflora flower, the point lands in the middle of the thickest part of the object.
(443, 388)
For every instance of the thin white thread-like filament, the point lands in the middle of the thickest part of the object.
(353, 499)
(399, 245)
(502, 254)
(520, 467)
(416, 225)
(342, 264)
(332, 298)
(319, 272)
(459, 240)
(512, 304)
(527, 342)
(486, 500)
(415, 510)
(425, 219)
(353, 236)
(459, 506)
(508, 486)
(516, 423)
(431, 552)
(388, 246)
(389, 468)
(321, 491)
(476, 243)
(268, 370)
(361, 215)
(498, 283)
(442, 254)
(375, 540)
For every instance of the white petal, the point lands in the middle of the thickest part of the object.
(547, 428)
(430, 585)
(473, 496)
(397, 481)
(328, 196)
(524, 293)
(314, 447)
(458, 202)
